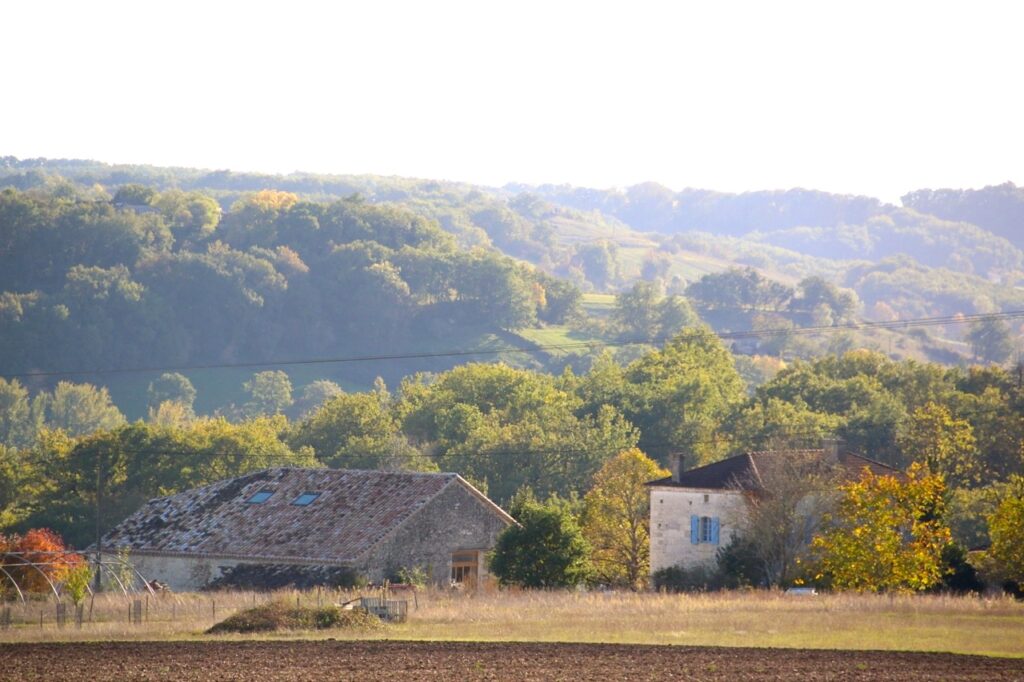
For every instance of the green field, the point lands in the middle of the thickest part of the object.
(559, 335)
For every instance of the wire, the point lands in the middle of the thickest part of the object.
(541, 348)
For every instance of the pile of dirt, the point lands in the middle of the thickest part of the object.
(276, 616)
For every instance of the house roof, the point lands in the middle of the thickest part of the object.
(741, 471)
(354, 510)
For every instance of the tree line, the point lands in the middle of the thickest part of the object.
(508, 428)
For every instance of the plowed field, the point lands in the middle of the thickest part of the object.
(387, 660)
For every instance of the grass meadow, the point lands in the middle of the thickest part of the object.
(968, 625)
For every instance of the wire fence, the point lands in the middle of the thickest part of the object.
(152, 612)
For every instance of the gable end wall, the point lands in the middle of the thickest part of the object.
(454, 520)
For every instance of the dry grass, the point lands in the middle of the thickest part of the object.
(920, 623)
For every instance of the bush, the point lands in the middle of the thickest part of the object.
(417, 576)
(697, 579)
(281, 616)
(960, 576)
(739, 566)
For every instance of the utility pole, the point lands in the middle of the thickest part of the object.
(99, 526)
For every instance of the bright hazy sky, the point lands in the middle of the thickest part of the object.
(861, 97)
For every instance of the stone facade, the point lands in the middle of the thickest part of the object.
(454, 521)
(672, 514)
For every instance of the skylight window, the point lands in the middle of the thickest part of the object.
(305, 499)
(260, 497)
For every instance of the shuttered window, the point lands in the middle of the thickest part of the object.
(704, 530)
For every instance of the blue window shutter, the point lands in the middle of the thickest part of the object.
(694, 530)
(714, 531)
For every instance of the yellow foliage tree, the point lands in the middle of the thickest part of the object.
(886, 534)
(616, 518)
(946, 445)
(1006, 528)
(268, 200)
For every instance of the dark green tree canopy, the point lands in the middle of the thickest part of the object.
(545, 550)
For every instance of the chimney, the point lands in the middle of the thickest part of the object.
(676, 459)
(831, 447)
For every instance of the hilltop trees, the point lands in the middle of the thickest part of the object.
(163, 278)
(990, 340)
(739, 289)
(644, 313)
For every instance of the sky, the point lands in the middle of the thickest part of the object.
(875, 98)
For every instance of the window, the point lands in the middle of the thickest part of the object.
(465, 568)
(704, 530)
(305, 499)
(260, 497)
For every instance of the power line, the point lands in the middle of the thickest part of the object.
(540, 348)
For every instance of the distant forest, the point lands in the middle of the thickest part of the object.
(521, 336)
(105, 266)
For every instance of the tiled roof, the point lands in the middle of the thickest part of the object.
(354, 510)
(741, 471)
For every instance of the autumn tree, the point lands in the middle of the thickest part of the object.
(616, 518)
(886, 534)
(1006, 530)
(933, 437)
(37, 559)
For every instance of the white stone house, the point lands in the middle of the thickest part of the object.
(302, 527)
(698, 511)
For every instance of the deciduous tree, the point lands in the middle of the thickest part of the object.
(616, 518)
(545, 550)
(886, 534)
(944, 444)
(1006, 530)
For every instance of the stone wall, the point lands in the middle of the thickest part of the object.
(453, 521)
(671, 509)
(181, 574)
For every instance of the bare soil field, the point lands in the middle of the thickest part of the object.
(386, 660)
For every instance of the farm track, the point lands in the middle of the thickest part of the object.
(387, 660)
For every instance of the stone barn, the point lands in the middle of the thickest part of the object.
(302, 527)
